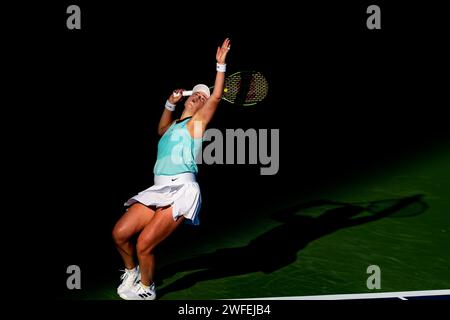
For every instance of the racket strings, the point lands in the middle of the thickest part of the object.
(246, 88)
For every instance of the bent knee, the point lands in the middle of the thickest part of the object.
(144, 246)
(121, 234)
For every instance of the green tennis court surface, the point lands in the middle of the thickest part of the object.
(397, 219)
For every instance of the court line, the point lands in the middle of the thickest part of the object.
(400, 295)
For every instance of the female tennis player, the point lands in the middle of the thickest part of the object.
(175, 197)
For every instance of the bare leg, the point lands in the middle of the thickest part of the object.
(161, 226)
(132, 222)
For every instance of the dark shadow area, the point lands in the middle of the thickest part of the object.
(278, 247)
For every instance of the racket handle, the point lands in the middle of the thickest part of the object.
(187, 93)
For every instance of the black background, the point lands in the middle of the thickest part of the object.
(347, 101)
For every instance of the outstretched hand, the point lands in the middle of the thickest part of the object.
(222, 51)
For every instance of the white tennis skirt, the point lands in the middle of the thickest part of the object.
(180, 191)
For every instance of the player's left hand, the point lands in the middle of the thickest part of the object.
(222, 51)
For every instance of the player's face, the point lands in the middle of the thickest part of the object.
(195, 101)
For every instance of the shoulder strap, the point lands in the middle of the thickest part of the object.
(181, 120)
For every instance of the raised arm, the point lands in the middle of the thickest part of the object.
(206, 113)
(167, 116)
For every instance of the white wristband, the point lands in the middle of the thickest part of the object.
(221, 67)
(169, 106)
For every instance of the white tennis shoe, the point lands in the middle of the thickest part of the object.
(129, 279)
(140, 292)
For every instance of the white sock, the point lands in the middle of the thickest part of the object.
(144, 286)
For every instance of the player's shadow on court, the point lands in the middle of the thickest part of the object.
(278, 247)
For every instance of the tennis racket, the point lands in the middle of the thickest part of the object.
(244, 88)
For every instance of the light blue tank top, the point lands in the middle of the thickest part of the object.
(177, 151)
